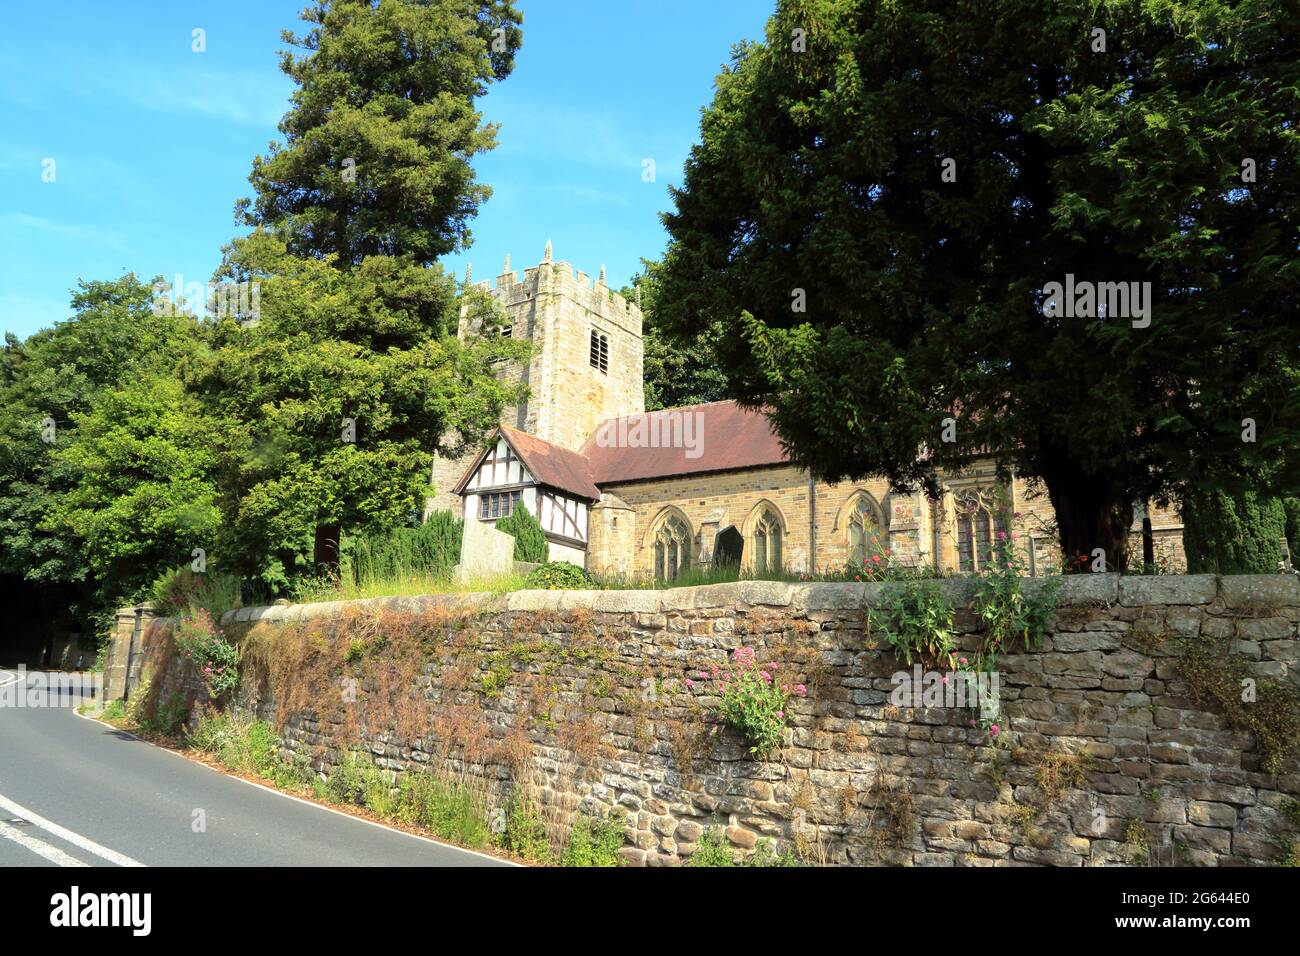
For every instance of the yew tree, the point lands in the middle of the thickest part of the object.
(374, 179)
(884, 192)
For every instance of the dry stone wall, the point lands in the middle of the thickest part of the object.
(1104, 756)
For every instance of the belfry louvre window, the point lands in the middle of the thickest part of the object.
(497, 505)
(599, 350)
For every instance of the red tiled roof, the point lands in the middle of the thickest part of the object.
(548, 464)
(731, 437)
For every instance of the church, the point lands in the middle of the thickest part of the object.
(635, 494)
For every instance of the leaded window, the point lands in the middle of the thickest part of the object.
(981, 531)
(767, 543)
(672, 548)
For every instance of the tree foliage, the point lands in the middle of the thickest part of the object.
(1232, 534)
(333, 404)
(819, 182)
(680, 369)
(383, 127)
(372, 183)
(100, 463)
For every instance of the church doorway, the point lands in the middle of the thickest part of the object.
(729, 548)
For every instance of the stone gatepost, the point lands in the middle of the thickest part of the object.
(125, 657)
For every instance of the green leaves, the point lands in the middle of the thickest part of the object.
(822, 171)
(383, 128)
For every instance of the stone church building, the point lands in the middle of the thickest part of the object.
(636, 494)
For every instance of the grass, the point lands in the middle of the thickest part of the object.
(456, 809)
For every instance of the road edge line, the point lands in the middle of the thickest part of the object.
(310, 803)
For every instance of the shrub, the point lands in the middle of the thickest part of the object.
(449, 808)
(530, 539)
(594, 843)
(216, 659)
(1226, 534)
(525, 833)
(560, 576)
(918, 622)
(183, 591)
(714, 850)
(356, 780)
(428, 550)
(1291, 508)
(245, 744)
(753, 700)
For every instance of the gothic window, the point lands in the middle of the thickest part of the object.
(767, 543)
(599, 350)
(864, 531)
(981, 530)
(672, 548)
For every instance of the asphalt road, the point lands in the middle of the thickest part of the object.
(76, 792)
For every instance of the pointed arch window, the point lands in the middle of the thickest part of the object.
(767, 543)
(981, 527)
(672, 548)
(864, 530)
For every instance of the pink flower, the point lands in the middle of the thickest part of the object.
(689, 682)
(726, 677)
(800, 689)
(963, 660)
(971, 722)
(1014, 536)
(780, 714)
(945, 679)
(994, 730)
(767, 678)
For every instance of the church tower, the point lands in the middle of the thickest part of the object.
(587, 361)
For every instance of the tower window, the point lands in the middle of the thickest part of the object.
(599, 350)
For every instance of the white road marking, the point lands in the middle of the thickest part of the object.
(39, 847)
(76, 839)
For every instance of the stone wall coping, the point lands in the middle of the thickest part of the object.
(1245, 590)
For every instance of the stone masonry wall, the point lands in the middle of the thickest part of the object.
(1103, 758)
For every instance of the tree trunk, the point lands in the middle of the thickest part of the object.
(1092, 511)
(325, 550)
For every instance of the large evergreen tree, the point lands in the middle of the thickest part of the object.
(373, 179)
(330, 407)
(383, 126)
(913, 174)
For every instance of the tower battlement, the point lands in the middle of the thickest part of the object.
(587, 363)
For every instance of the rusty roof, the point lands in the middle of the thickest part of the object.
(722, 436)
(548, 464)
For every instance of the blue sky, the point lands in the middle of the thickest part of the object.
(152, 143)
